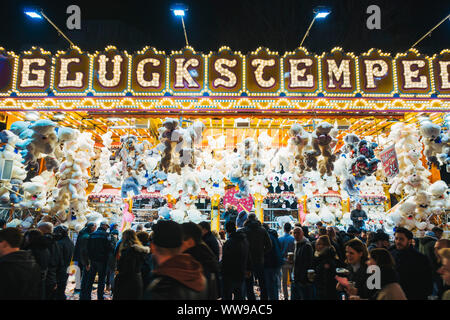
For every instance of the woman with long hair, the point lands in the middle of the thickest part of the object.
(130, 257)
(325, 261)
(356, 257)
(390, 288)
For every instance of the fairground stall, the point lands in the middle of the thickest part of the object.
(136, 137)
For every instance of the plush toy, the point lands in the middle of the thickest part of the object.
(33, 195)
(104, 165)
(433, 141)
(39, 138)
(299, 138)
(324, 140)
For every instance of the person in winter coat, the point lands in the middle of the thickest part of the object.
(177, 276)
(128, 282)
(413, 268)
(426, 247)
(235, 263)
(20, 275)
(35, 243)
(259, 244)
(147, 265)
(439, 286)
(390, 288)
(80, 255)
(356, 257)
(230, 213)
(287, 245)
(194, 246)
(331, 232)
(98, 249)
(273, 260)
(210, 240)
(111, 266)
(325, 262)
(301, 288)
(66, 249)
(54, 262)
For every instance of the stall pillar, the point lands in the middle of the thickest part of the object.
(215, 213)
(258, 206)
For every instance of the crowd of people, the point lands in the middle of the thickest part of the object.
(190, 262)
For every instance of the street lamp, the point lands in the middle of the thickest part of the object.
(319, 13)
(179, 10)
(36, 13)
(429, 32)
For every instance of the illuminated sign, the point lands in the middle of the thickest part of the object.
(224, 73)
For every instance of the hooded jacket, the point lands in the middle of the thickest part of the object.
(259, 241)
(303, 259)
(179, 278)
(273, 258)
(426, 247)
(212, 243)
(235, 258)
(19, 277)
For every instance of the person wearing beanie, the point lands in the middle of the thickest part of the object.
(177, 276)
(66, 247)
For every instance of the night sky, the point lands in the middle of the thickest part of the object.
(242, 25)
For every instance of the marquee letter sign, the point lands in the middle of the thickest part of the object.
(223, 73)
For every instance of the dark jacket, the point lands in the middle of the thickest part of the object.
(76, 252)
(212, 243)
(179, 278)
(55, 260)
(19, 277)
(210, 266)
(230, 215)
(273, 258)
(426, 247)
(81, 248)
(99, 246)
(388, 276)
(414, 273)
(258, 240)
(235, 257)
(66, 249)
(113, 239)
(303, 260)
(325, 264)
(355, 215)
(360, 278)
(128, 284)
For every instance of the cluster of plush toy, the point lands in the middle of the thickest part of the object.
(103, 162)
(436, 142)
(356, 162)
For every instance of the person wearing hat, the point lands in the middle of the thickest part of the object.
(177, 276)
(61, 234)
(98, 247)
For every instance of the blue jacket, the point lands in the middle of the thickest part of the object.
(287, 244)
(99, 247)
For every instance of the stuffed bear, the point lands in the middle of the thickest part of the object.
(432, 140)
(33, 195)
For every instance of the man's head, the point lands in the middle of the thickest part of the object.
(192, 235)
(104, 225)
(358, 206)
(437, 232)
(381, 240)
(139, 227)
(2, 223)
(91, 226)
(166, 240)
(352, 231)
(10, 240)
(251, 217)
(287, 227)
(228, 206)
(403, 238)
(230, 227)
(60, 232)
(45, 227)
(205, 227)
(319, 224)
(444, 271)
(113, 226)
(441, 244)
(298, 234)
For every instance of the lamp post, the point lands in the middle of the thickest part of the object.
(179, 11)
(429, 32)
(319, 13)
(39, 14)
